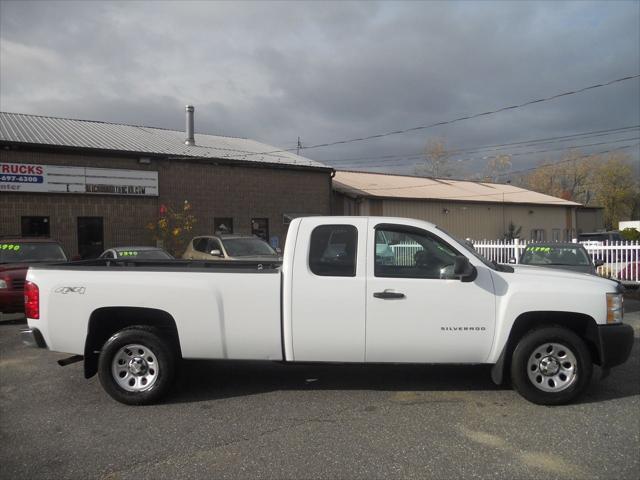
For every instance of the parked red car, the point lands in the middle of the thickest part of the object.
(16, 255)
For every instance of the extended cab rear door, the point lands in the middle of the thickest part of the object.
(327, 282)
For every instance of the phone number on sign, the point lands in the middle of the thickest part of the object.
(21, 179)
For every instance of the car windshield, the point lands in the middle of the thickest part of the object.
(554, 255)
(146, 254)
(30, 252)
(247, 247)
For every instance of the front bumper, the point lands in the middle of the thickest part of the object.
(614, 344)
(32, 337)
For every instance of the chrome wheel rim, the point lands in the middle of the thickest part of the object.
(552, 367)
(135, 368)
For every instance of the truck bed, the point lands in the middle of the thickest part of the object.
(222, 309)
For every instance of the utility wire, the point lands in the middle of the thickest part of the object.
(446, 122)
(434, 182)
(545, 165)
(246, 153)
(500, 146)
(571, 147)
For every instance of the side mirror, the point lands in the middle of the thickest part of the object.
(463, 269)
(598, 262)
(215, 253)
(512, 260)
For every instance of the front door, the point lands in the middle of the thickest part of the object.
(416, 311)
(90, 237)
(327, 292)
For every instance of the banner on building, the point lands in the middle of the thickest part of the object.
(24, 177)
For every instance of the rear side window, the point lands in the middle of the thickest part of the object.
(333, 250)
(200, 244)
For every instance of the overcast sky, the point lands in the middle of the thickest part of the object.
(329, 71)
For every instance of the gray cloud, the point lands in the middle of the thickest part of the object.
(327, 71)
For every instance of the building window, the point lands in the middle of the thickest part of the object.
(222, 225)
(90, 237)
(35, 226)
(555, 235)
(538, 235)
(333, 250)
(401, 253)
(260, 228)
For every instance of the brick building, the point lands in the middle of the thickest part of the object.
(95, 185)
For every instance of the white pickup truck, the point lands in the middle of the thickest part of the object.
(338, 296)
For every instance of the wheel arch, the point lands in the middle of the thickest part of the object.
(106, 321)
(581, 324)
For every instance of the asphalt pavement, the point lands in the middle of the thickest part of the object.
(257, 420)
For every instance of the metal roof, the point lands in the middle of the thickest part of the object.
(64, 132)
(364, 184)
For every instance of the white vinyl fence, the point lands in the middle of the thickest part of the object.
(621, 259)
(404, 253)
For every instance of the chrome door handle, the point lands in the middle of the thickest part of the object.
(388, 295)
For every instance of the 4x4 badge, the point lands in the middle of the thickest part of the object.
(65, 290)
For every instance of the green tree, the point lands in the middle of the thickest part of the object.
(512, 232)
(607, 181)
(615, 188)
(630, 234)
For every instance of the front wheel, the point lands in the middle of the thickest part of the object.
(136, 366)
(551, 366)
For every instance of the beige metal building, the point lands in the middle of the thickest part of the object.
(476, 210)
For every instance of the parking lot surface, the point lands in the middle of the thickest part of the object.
(248, 420)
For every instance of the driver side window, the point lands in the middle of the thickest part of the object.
(412, 254)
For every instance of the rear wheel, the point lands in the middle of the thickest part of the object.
(551, 366)
(136, 366)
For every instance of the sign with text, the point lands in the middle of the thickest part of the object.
(23, 177)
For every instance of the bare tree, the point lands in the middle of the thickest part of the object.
(496, 167)
(436, 160)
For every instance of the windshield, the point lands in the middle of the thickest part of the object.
(31, 252)
(146, 254)
(552, 255)
(247, 247)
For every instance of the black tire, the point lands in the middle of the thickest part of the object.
(539, 361)
(156, 361)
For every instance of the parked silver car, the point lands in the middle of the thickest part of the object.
(230, 247)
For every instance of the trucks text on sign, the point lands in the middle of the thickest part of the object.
(21, 177)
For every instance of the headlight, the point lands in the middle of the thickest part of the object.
(3, 284)
(615, 304)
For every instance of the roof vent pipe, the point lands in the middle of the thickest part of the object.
(190, 140)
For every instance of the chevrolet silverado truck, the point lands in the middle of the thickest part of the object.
(334, 298)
